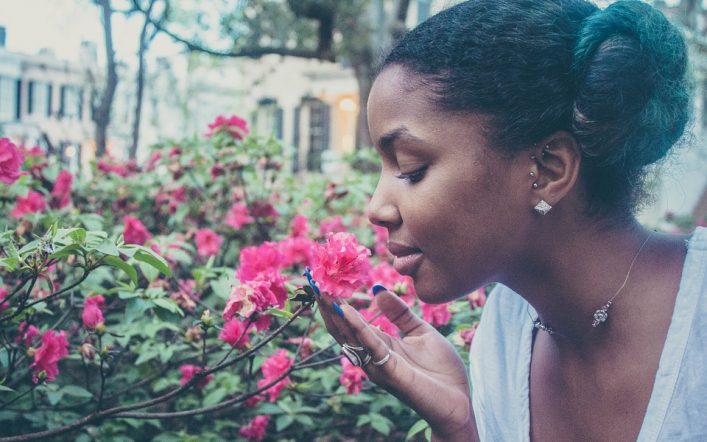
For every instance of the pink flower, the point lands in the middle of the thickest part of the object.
(262, 322)
(61, 192)
(477, 298)
(32, 203)
(273, 367)
(265, 210)
(217, 170)
(238, 216)
(46, 358)
(185, 294)
(155, 157)
(305, 344)
(340, 265)
(333, 224)
(174, 199)
(296, 250)
(11, 160)
(92, 315)
(436, 314)
(258, 259)
(299, 226)
(377, 319)
(26, 334)
(381, 243)
(234, 126)
(386, 275)
(189, 371)
(256, 296)
(467, 335)
(135, 231)
(3, 294)
(234, 333)
(351, 377)
(256, 428)
(208, 242)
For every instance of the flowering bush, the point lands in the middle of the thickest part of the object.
(161, 300)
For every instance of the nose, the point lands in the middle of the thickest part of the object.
(382, 209)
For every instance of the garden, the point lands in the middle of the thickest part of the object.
(172, 300)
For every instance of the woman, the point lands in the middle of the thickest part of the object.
(514, 137)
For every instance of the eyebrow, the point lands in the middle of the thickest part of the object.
(387, 140)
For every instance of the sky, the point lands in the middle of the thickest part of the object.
(61, 25)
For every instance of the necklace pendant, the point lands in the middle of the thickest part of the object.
(601, 315)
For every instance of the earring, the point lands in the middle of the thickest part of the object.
(542, 207)
(532, 173)
(535, 185)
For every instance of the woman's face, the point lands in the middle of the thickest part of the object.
(454, 208)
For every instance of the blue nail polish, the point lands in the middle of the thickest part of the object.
(312, 282)
(337, 309)
(377, 289)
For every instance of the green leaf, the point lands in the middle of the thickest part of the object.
(283, 422)
(92, 221)
(381, 426)
(29, 247)
(279, 313)
(149, 257)
(54, 396)
(4, 388)
(71, 249)
(416, 428)
(168, 304)
(122, 265)
(75, 390)
(78, 235)
(215, 397)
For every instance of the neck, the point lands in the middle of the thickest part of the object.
(578, 272)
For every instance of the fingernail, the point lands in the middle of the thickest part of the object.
(337, 309)
(377, 289)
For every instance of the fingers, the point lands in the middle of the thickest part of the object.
(398, 312)
(334, 322)
(383, 360)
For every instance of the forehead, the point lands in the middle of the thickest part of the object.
(401, 99)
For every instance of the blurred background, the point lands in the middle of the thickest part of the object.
(87, 78)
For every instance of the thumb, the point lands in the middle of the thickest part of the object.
(398, 312)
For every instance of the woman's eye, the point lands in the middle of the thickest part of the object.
(414, 176)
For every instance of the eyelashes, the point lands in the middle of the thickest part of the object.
(415, 176)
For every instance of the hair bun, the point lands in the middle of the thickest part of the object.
(632, 95)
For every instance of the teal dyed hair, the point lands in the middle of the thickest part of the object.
(616, 78)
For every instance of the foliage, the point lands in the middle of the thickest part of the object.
(133, 267)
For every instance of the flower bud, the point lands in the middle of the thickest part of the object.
(87, 351)
(193, 334)
(206, 319)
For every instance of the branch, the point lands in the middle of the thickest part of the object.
(245, 52)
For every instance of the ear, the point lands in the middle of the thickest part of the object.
(556, 162)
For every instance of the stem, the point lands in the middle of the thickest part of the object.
(18, 397)
(103, 375)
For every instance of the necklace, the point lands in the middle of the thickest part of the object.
(602, 313)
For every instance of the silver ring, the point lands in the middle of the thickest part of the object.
(351, 356)
(366, 360)
(382, 361)
(353, 347)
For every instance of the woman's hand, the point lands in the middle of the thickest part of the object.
(424, 370)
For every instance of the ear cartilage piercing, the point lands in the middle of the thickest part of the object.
(535, 185)
(532, 157)
(532, 173)
(542, 207)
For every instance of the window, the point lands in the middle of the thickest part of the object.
(39, 99)
(70, 102)
(8, 99)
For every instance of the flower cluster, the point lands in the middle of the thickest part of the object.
(11, 160)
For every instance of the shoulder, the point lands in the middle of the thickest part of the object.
(497, 341)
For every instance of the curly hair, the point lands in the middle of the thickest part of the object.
(615, 78)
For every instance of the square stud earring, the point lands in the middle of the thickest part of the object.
(542, 207)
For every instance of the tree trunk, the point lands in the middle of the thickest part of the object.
(364, 77)
(140, 82)
(102, 112)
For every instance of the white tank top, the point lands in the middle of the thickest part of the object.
(677, 410)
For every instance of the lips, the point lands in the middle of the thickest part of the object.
(407, 258)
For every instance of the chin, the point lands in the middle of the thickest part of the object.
(430, 292)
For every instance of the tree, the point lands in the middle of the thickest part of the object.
(354, 31)
(101, 110)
